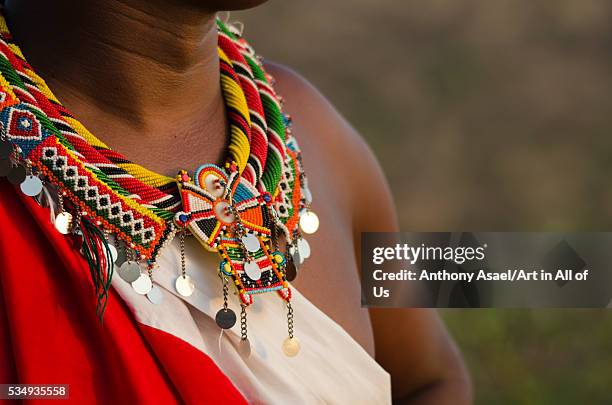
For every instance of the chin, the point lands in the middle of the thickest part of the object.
(230, 5)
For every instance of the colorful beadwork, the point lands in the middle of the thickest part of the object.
(31, 113)
(220, 209)
(237, 210)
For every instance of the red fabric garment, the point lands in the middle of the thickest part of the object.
(50, 334)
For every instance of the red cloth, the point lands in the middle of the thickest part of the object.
(50, 334)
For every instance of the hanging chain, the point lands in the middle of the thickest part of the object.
(150, 270)
(60, 201)
(225, 293)
(290, 320)
(243, 323)
(182, 243)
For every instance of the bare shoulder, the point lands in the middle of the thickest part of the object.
(352, 196)
(323, 132)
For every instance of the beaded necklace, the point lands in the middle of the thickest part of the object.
(240, 210)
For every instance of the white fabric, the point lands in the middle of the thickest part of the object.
(331, 367)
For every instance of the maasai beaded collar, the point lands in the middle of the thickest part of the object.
(105, 202)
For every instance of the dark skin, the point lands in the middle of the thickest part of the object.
(143, 76)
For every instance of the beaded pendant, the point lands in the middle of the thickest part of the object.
(105, 202)
(230, 216)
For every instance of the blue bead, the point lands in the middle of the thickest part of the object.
(183, 218)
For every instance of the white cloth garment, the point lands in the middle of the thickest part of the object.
(331, 367)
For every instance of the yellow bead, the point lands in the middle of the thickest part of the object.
(278, 258)
(227, 267)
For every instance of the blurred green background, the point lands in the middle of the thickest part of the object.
(488, 115)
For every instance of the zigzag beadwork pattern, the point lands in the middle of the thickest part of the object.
(31, 115)
(95, 198)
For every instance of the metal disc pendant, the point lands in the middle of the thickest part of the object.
(291, 346)
(303, 248)
(290, 271)
(184, 285)
(252, 270)
(143, 284)
(5, 149)
(31, 186)
(250, 242)
(5, 167)
(63, 222)
(129, 271)
(17, 175)
(225, 318)
(155, 295)
(307, 195)
(295, 255)
(309, 222)
(244, 348)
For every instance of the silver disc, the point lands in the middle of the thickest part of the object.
(309, 222)
(142, 285)
(17, 175)
(244, 348)
(113, 252)
(155, 295)
(63, 222)
(307, 195)
(184, 285)
(31, 186)
(5, 167)
(295, 255)
(129, 271)
(304, 248)
(291, 347)
(252, 270)
(250, 242)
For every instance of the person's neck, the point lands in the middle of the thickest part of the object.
(134, 71)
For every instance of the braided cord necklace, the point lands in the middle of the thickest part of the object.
(106, 202)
